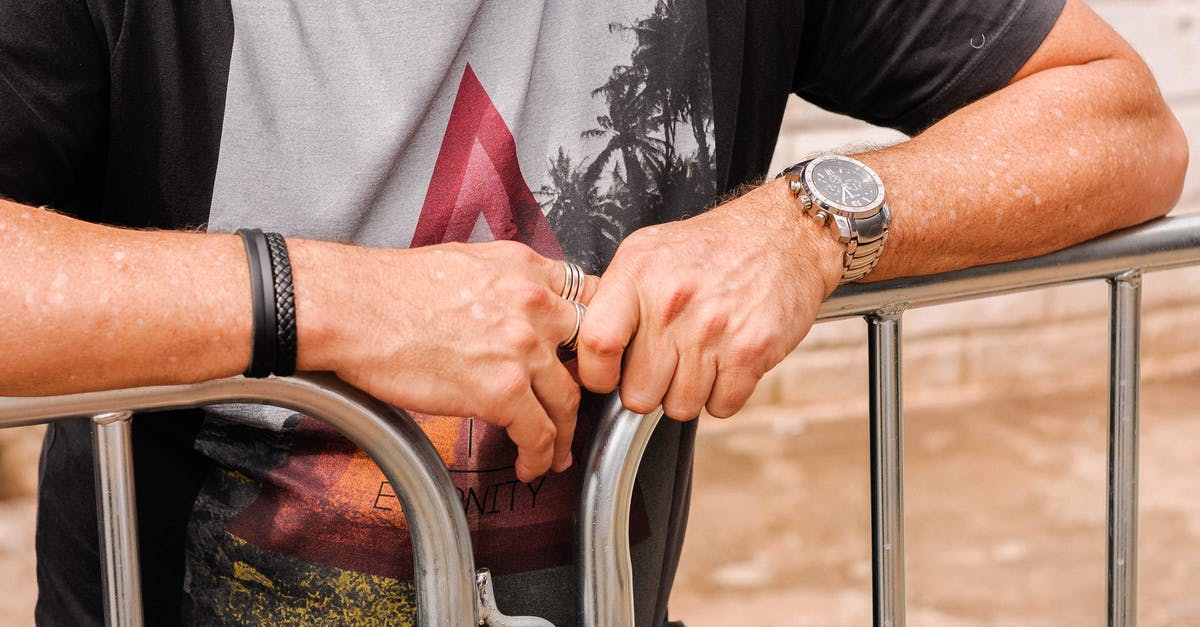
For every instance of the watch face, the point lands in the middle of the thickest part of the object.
(845, 183)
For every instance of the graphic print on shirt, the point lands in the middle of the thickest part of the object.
(301, 523)
(477, 193)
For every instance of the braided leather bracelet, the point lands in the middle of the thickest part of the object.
(285, 306)
(274, 347)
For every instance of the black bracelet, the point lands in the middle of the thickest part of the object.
(263, 349)
(285, 306)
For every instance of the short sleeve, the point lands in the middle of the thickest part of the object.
(53, 103)
(906, 64)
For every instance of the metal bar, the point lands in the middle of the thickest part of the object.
(1124, 331)
(116, 507)
(1157, 245)
(490, 615)
(887, 468)
(604, 569)
(443, 564)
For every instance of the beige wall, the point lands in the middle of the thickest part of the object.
(1024, 344)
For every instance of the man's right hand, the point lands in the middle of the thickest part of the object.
(455, 329)
(452, 329)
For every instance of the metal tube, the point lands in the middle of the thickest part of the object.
(604, 569)
(117, 512)
(1124, 330)
(1158, 245)
(887, 469)
(443, 564)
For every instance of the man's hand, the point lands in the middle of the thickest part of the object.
(457, 329)
(454, 329)
(1080, 143)
(697, 311)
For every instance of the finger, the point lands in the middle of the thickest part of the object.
(731, 390)
(649, 367)
(531, 429)
(608, 327)
(571, 280)
(555, 319)
(690, 387)
(590, 285)
(559, 395)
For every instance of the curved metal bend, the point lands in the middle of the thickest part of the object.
(444, 566)
(604, 569)
(605, 572)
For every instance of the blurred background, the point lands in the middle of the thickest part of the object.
(1005, 434)
(1005, 438)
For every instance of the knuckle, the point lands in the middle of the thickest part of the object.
(721, 410)
(544, 438)
(681, 410)
(531, 296)
(600, 342)
(712, 324)
(676, 300)
(638, 401)
(571, 401)
(751, 347)
(509, 383)
(521, 338)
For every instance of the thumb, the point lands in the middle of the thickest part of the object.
(608, 327)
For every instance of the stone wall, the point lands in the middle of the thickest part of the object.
(1024, 344)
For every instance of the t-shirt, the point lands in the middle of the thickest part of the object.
(565, 126)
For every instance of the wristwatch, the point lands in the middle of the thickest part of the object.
(846, 195)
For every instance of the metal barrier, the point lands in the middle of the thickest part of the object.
(449, 590)
(1120, 258)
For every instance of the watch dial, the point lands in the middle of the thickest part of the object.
(845, 183)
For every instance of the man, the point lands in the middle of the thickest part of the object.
(404, 129)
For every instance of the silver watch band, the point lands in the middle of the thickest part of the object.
(861, 257)
(865, 246)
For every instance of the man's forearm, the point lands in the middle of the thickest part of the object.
(1057, 157)
(87, 307)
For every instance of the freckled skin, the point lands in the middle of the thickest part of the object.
(694, 311)
(1084, 88)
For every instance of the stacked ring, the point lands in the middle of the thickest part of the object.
(573, 341)
(573, 283)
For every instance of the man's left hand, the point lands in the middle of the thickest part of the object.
(691, 314)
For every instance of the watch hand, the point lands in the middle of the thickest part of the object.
(844, 192)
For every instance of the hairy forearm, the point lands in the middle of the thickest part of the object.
(87, 307)
(1056, 158)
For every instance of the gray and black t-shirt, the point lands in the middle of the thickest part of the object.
(565, 126)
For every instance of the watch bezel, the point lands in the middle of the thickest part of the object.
(832, 206)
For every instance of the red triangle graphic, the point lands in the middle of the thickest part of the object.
(328, 503)
(477, 173)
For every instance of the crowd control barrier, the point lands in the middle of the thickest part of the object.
(1120, 258)
(451, 592)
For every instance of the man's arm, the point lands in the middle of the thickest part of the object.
(460, 330)
(1078, 144)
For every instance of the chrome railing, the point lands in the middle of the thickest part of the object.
(443, 565)
(449, 590)
(1121, 258)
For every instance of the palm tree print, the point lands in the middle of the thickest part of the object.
(656, 163)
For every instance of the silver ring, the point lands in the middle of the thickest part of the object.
(573, 341)
(573, 283)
